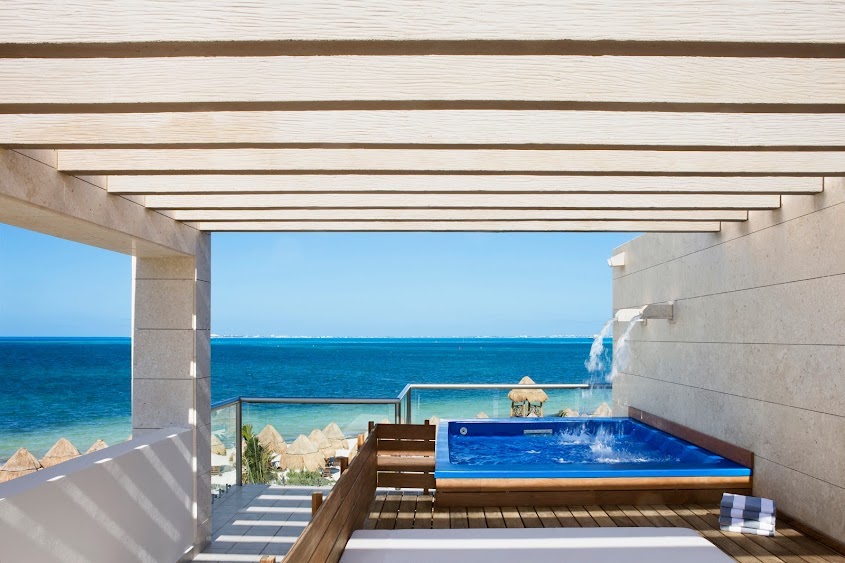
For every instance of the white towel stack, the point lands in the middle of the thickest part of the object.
(747, 515)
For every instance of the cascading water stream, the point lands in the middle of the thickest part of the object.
(596, 363)
(622, 351)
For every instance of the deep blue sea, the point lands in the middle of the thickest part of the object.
(80, 388)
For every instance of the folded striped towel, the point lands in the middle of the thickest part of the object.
(756, 524)
(743, 530)
(763, 517)
(753, 504)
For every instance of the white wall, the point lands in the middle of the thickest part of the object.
(756, 353)
(130, 502)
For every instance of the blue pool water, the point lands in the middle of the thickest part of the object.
(576, 447)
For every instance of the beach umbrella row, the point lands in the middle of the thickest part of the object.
(23, 462)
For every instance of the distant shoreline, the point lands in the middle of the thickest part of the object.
(283, 337)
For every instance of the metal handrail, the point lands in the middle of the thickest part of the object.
(401, 403)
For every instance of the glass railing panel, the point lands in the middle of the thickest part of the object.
(338, 426)
(453, 403)
(223, 438)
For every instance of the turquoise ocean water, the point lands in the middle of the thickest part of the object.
(80, 388)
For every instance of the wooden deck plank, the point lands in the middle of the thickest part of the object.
(806, 548)
(440, 518)
(389, 512)
(422, 517)
(547, 517)
(458, 517)
(494, 517)
(512, 517)
(634, 515)
(783, 547)
(718, 538)
(476, 518)
(600, 516)
(410, 509)
(618, 516)
(583, 516)
(407, 511)
(654, 516)
(565, 517)
(529, 516)
(375, 512)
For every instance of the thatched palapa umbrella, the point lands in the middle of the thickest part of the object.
(525, 402)
(322, 442)
(336, 437)
(303, 454)
(217, 447)
(482, 414)
(270, 438)
(604, 410)
(61, 451)
(97, 446)
(20, 464)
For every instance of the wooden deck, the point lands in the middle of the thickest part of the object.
(403, 510)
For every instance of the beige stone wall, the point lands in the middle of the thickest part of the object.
(756, 353)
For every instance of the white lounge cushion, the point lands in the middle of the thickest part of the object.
(585, 545)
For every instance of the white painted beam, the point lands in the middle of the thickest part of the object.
(470, 226)
(205, 215)
(34, 196)
(101, 21)
(474, 128)
(272, 183)
(111, 161)
(470, 201)
(238, 80)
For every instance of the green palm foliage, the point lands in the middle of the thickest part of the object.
(257, 460)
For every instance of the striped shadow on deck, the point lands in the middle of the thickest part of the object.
(395, 510)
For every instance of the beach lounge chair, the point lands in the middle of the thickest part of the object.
(585, 545)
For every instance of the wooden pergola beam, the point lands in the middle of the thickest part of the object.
(397, 128)
(103, 84)
(432, 215)
(439, 161)
(471, 201)
(421, 183)
(464, 226)
(102, 21)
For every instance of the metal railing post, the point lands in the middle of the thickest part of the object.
(397, 412)
(239, 432)
(408, 414)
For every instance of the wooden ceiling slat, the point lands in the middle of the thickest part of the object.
(421, 183)
(325, 82)
(104, 21)
(469, 226)
(396, 128)
(468, 201)
(458, 215)
(438, 161)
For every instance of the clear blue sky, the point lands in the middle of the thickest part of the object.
(329, 284)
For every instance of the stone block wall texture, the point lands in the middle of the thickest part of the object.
(171, 360)
(756, 352)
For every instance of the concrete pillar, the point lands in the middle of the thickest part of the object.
(171, 359)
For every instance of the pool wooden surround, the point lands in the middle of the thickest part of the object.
(497, 492)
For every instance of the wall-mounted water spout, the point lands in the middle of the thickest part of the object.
(626, 315)
(617, 260)
(659, 311)
(652, 311)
